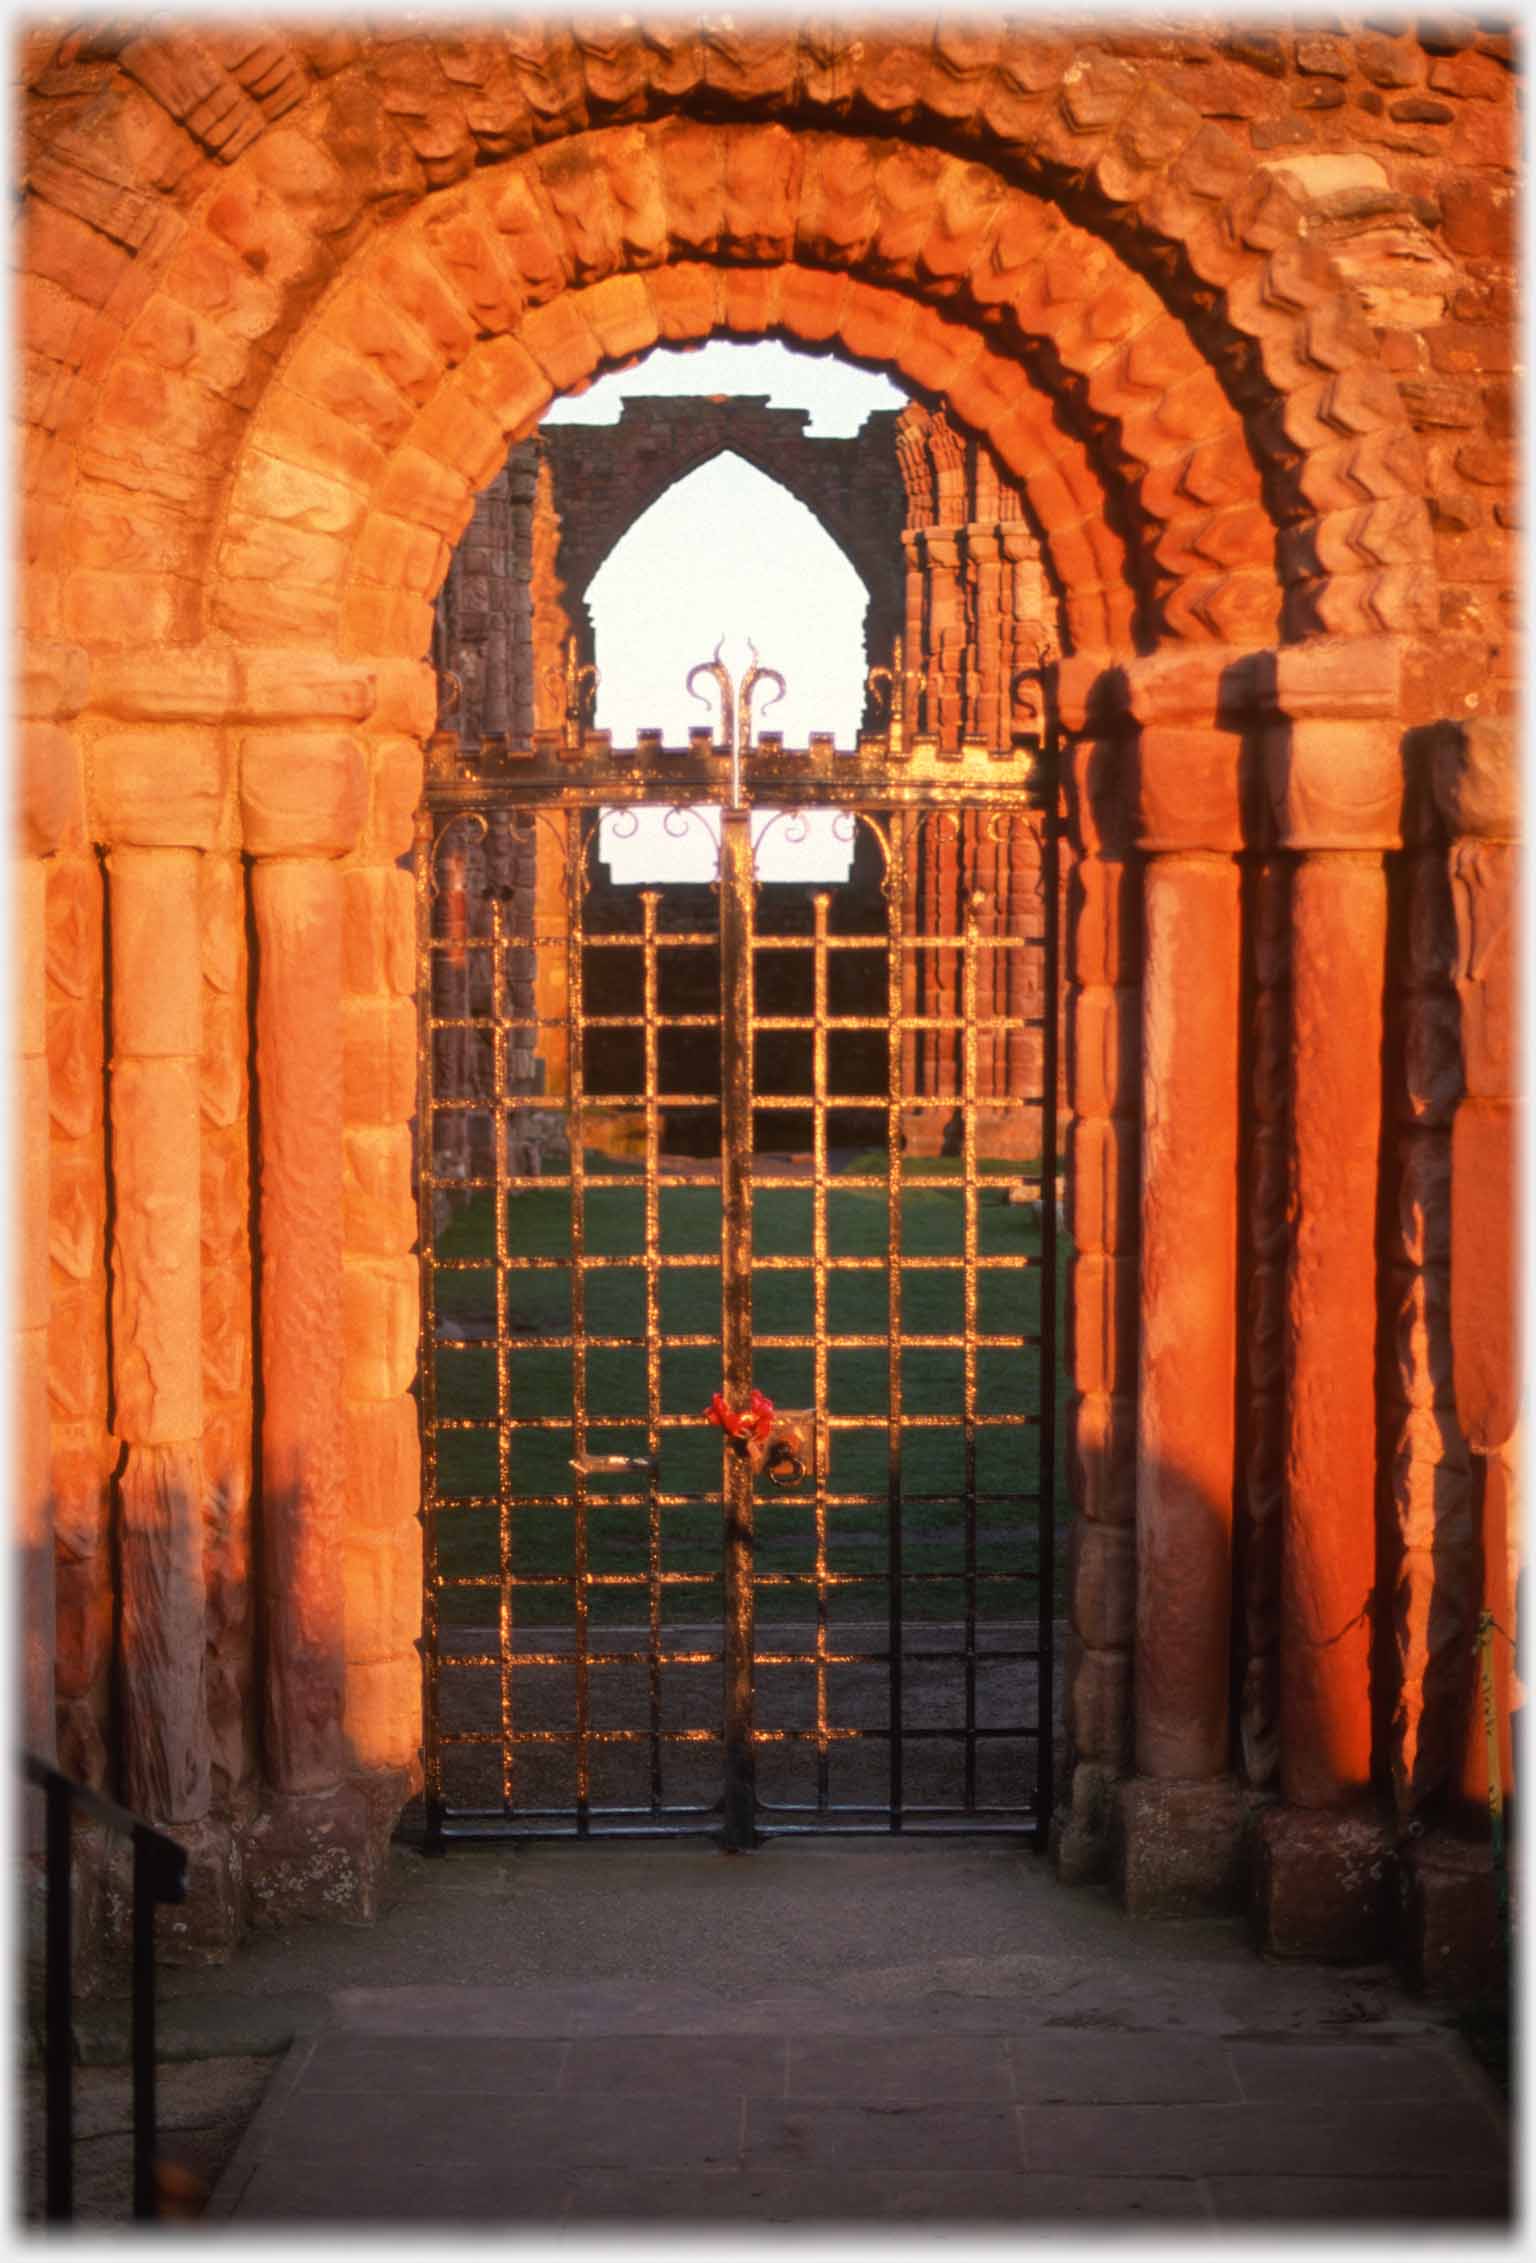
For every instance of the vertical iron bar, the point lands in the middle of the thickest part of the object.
(426, 1191)
(143, 2046)
(650, 898)
(969, 1184)
(736, 1017)
(821, 1434)
(899, 1038)
(504, 1626)
(1050, 1015)
(58, 1988)
(575, 870)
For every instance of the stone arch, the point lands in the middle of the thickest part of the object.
(294, 296)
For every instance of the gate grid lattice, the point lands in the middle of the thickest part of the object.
(738, 1136)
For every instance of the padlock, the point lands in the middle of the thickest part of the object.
(790, 1448)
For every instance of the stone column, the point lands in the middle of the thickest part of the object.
(1452, 1934)
(1180, 1820)
(1102, 1024)
(50, 688)
(34, 1521)
(1334, 773)
(156, 973)
(303, 798)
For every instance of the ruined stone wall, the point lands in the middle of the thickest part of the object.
(1236, 314)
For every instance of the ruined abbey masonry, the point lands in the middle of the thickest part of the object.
(1235, 316)
(960, 607)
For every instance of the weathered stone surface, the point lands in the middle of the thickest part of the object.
(383, 1451)
(302, 793)
(1195, 416)
(156, 1279)
(158, 789)
(1323, 1886)
(310, 1856)
(1484, 1302)
(381, 1323)
(156, 991)
(1181, 1849)
(379, 939)
(50, 789)
(1186, 1375)
(160, 1508)
(1328, 1565)
(297, 905)
(379, 1060)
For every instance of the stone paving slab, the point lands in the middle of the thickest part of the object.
(559, 2131)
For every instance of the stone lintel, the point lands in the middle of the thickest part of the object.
(1179, 1848)
(1323, 1884)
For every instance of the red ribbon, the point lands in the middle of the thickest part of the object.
(755, 1423)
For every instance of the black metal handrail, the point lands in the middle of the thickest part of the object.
(159, 1875)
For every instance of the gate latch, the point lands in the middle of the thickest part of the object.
(769, 1438)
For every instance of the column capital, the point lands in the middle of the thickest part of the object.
(158, 789)
(1336, 783)
(1194, 771)
(302, 793)
(1475, 770)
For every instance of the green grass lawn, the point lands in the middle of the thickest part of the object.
(543, 1535)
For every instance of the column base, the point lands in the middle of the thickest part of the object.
(207, 1927)
(1323, 1885)
(1081, 1826)
(313, 1855)
(1180, 1849)
(1450, 1939)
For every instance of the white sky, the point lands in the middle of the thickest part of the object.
(728, 553)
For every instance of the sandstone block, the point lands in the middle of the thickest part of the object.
(159, 789)
(77, 1352)
(52, 680)
(1102, 1458)
(1180, 1849)
(1102, 1316)
(125, 609)
(31, 1276)
(383, 1717)
(418, 488)
(1098, 1687)
(380, 1211)
(1335, 784)
(383, 1464)
(77, 1206)
(1484, 1296)
(385, 624)
(1323, 1886)
(294, 495)
(396, 797)
(1104, 1184)
(381, 1318)
(623, 315)
(222, 1080)
(304, 687)
(309, 1855)
(1449, 1940)
(379, 935)
(50, 792)
(1104, 1052)
(395, 553)
(1103, 923)
(406, 698)
(1102, 1577)
(302, 793)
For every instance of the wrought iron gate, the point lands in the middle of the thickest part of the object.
(738, 1231)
